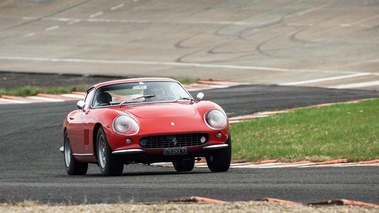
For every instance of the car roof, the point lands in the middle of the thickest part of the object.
(129, 80)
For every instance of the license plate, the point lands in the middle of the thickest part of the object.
(175, 151)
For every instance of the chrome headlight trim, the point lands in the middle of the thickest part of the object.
(216, 119)
(125, 125)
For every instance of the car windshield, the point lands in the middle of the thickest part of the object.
(140, 92)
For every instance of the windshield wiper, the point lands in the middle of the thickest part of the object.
(139, 97)
(184, 98)
(144, 96)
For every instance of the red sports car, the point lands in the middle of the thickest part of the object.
(144, 120)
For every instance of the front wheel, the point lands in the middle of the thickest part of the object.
(109, 164)
(185, 165)
(219, 160)
(73, 167)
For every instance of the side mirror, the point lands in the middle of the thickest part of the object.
(80, 104)
(199, 96)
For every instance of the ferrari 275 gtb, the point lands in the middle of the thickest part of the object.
(144, 120)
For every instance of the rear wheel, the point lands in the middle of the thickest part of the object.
(73, 167)
(185, 165)
(109, 164)
(219, 160)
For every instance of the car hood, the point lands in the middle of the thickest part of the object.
(162, 110)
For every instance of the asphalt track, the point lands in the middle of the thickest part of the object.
(32, 166)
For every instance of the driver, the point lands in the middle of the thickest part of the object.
(157, 91)
(103, 99)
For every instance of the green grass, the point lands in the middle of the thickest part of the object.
(186, 80)
(22, 91)
(342, 131)
(33, 90)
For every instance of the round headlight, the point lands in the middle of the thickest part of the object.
(216, 119)
(125, 125)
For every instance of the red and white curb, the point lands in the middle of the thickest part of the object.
(206, 84)
(275, 164)
(338, 202)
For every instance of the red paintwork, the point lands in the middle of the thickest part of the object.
(153, 119)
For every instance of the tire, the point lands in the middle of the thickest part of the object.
(219, 160)
(109, 164)
(185, 165)
(73, 167)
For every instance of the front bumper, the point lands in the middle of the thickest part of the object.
(141, 151)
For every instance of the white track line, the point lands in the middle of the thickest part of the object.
(326, 79)
(30, 34)
(117, 7)
(45, 99)
(73, 22)
(52, 28)
(355, 85)
(96, 14)
(13, 101)
(79, 97)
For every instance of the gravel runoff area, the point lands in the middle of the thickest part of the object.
(249, 206)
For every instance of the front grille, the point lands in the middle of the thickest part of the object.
(168, 141)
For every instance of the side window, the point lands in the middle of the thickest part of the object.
(88, 99)
(178, 91)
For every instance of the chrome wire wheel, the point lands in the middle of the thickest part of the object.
(110, 165)
(102, 151)
(73, 167)
(67, 152)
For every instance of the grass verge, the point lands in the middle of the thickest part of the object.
(33, 90)
(341, 131)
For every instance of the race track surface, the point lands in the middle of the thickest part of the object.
(326, 43)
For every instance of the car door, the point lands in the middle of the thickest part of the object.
(78, 130)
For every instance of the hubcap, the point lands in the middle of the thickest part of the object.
(67, 152)
(102, 151)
